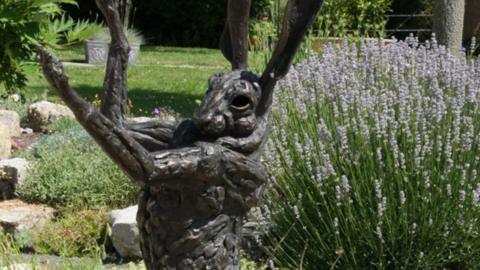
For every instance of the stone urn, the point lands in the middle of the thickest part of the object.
(96, 52)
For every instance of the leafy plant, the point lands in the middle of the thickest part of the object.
(133, 35)
(359, 18)
(374, 160)
(262, 32)
(65, 31)
(335, 19)
(7, 247)
(72, 172)
(24, 24)
(75, 234)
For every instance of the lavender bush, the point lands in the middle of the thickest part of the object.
(375, 156)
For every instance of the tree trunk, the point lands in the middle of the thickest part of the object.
(472, 20)
(448, 22)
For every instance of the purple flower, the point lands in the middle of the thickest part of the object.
(157, 111)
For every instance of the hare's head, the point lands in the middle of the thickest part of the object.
(230, 104)
(235, 101)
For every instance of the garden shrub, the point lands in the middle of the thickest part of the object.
(25, 24)
(71, 171)
(374, 157)
(339, 18)
(80, 233)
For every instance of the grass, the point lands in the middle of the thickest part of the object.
(164, 77)
(156, 83)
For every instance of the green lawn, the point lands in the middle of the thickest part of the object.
(165, 77)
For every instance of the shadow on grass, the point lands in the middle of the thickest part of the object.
(145, 100)
(157, 49)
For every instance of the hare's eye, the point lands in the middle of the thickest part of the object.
(241, 102)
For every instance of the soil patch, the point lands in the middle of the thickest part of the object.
(24, 141)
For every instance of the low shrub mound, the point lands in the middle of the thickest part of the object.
(75, 234)
(70, 171)
(374, 157)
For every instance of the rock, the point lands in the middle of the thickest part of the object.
(140, 119)
(5, 142)
(15, 97)
(43, 113)
(16, 215)
(12, 173)
(11, 119)
(18, 266)
(26, 130)
(125, 235)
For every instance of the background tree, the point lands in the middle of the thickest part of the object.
(448, 22)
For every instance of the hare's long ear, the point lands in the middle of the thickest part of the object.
(299, 14)
(114, 96)
(234, 40)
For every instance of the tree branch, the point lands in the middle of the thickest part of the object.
(115, 141)
(114, 97)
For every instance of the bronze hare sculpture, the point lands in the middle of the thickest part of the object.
(199, 176)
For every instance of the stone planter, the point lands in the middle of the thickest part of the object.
(96, 52)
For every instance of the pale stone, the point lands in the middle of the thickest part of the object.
(12, 173)
(11, 120)
(19, 266)
(140, 119)
(43, 113)
(16, 215)
(5, 142)
(125, 234)
(27, 131)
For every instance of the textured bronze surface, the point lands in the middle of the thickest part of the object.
(199, 176)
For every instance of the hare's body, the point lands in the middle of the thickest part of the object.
(191, 212)
(199, 176)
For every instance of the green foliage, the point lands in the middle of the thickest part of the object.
(24, 238)
(335, 18)
(339, 18)
(246, 264)
(11, 254)
(71, 171)
(262, 32)
(7, 246)
(24, 24)
(75, 234)
(65, 31)
(133, 35)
